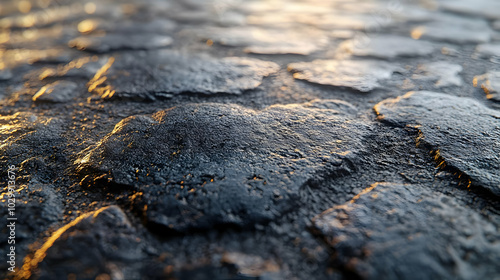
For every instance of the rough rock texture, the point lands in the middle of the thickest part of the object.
(395, 231)
(490, 83)
(358, 75)
(457, 128)
(222, 157)
(444, 74)
(23, 133)
(212, 164)
(166, 73)
(387, 46)
(104, 241)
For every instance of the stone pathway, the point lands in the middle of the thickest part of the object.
(231, 139)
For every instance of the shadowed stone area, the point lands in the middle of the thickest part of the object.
(458, 129)
(102, 243)
(358, 75)
(395, 231)
(37, 203)
(166, 73)
(202, 165)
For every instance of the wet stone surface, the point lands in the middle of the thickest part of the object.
(362, 76)
(489, 50)
(448, 124)
(202, 165)
(454, 29)
(167, 73)
(231, 139)
(427, 233)
(57, 92)
(265, 41)
(387, 46)
(117, 42)
(103, 240)
(444, 74)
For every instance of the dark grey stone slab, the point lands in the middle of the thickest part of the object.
(458, 129)
(203, 165)
(396, 231)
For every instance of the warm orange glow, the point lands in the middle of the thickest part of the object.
(87, 26)
(417, 33)
(99, 79)
(39, 93)
(363, 192)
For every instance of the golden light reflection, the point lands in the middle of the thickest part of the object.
(363, 192)
(39, 93)
(94, 85)
(90, 8)
(14, 57)
(24, 6)
(87, 26)
(417, 33)
(5, 193)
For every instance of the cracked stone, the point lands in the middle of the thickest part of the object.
(457, 128)
(394, 231)
(57, 92)
(164, 73)
(96, 243)
(454, 29)
(490, 83)
(362, 76)
(444, 74)
(113, 42)
(209, 164)
(387, 46)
